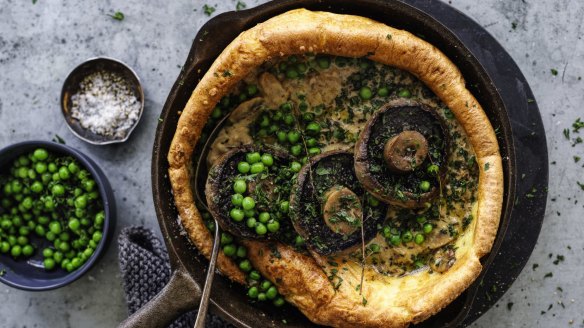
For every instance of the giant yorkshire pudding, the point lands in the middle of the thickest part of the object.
(339, 290)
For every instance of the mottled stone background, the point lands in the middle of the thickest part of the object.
(40, 43)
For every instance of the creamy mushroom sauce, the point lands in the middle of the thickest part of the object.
(330, 88)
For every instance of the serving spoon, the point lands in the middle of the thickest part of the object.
(204, 304)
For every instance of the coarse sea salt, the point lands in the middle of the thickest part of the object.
(106, 105)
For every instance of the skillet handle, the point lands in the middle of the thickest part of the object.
(180, 295)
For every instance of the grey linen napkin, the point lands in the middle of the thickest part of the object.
(146, 270)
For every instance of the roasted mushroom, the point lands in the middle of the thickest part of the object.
(330, 209)
(401, 154)
(247, 192)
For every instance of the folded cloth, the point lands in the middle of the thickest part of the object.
(145, 271)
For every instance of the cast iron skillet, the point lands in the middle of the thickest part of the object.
(497, 83)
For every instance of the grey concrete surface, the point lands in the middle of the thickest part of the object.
(40, 43)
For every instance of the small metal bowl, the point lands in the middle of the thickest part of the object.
(29, 274)
(71, 86)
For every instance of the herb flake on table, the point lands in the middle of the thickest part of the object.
(554, 71)
(240, 5)
(118, 15)
(208, 10)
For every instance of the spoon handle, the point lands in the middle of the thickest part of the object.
(200, 322)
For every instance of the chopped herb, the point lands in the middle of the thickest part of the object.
(554, 71)
(240, 5)
(364, 301)
(514, 25)
(567, 133)
(208, 10)
(576, 159)
(580, 184)
(559, 258)
(548, 275)
(535, 266)
(227, 73)
(58, 139)
(388, 36)
(509, 306)
(487, 165)
(577, 125)
(34, 2)
(118, 15)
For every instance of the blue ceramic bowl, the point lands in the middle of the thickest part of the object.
(29, 274)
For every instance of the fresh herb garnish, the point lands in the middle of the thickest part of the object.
(58, 139)
(487, 165)
(208, 10)
(554, 71)
(240, 5)
(118, 15)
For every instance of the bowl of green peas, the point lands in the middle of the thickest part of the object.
(57, 212)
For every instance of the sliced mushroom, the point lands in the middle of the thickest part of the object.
(264, 188)
(329, 208)
(443, 260)
(401, 154)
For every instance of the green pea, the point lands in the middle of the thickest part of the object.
(241, 252)
(433, 169)
(293, 137)
(257, 168)
(271, 293)
(374, 248)
(298, 241)
(264, 217)
(236, 214)
(49, 204)
(383, 92)
(12, 240)
(40, 167)
(22, 161)
(291, 73)
(313, 128)
(428, 228)
(419, 239)
(226, 238)
(27, 203)
(296, 150)
(16, 250)
(424, 185)
(248, 203)
(40, 154)
(229, 250)
(23, 172)
(21, 240)
(48, 252)
(262, 297)
(279, 302)
(278, 115)
(96, 236)
(282, 136)
(249, 213)
(323, 62)
(5, 224)
(307, 117)
(273, 226)
(407, 237)
(265, 285)
(23, 231)
(253, 292)
(267, 159)
(36, 187)
(69, 267)
(243, 167)
(373, 201)
(252, 158)
(99, 218)
(289, 119)
(50, 235)
(27, 250)
(261, 229)
(81, 202)
(237, 199)
(88, 185)
(421, 219)
(301, 68)
(82, 175)
(4, 247)
(58, 257)
(64, 247)
(284, 206)
(264, 121)
(365, 93)
(17, 187)
(55, 227)
(216, 113)
(40, 230)
(52, 167)
(239, 186)
(404, 93)
(49, 264)
(245, 265)
(313, 151)
(295, 166)
(76, 262)
(74, 224)
(254, 275)
(252, 89)
(64, 173)
(73, 167)
(303, 106)
(395, 240)
(242, 97)
(250, 222)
